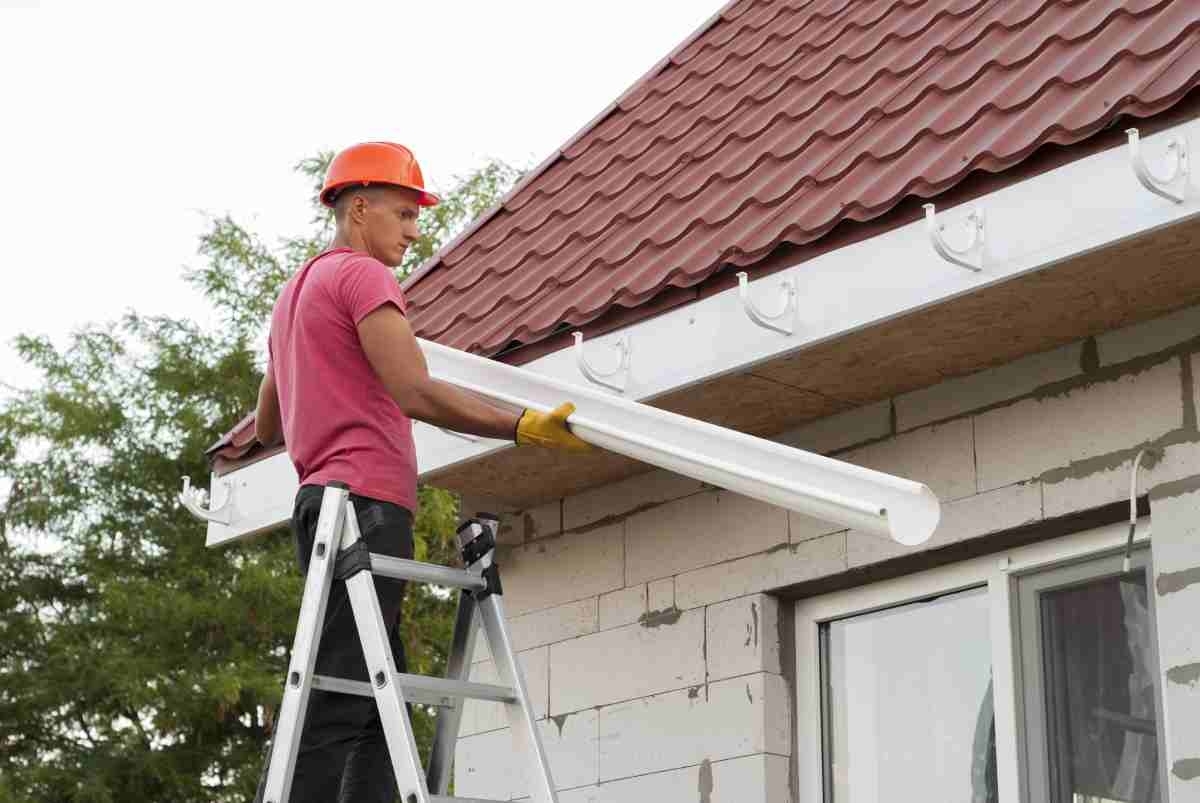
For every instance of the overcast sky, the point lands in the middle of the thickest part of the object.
(122, 125)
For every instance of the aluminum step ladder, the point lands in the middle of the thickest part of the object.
(339, 553)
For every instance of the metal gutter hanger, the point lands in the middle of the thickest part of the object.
(833, 490)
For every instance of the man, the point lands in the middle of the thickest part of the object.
(345, 377)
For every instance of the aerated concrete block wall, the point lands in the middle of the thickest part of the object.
(643, 613)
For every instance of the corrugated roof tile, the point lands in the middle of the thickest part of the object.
(782, 119)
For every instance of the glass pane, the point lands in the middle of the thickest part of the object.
(909, 706)
(1099, 679)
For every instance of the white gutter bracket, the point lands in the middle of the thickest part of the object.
(193, 499)
(617, 378)
(1178, 174)
(786, 315)
(971, 255)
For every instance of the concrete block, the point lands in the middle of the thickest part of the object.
(735, 717)
(804, 528)
(962, 519)
(759, 778)
(1072, 430)
(549, 625)
(660, 595)
(1070, 494)
(843, 430)
(622, 607)
(566, 568)
(954, 397)
(487, 765)
(480, 716)
(1149, 337)
(1175, 553)
(941, 456)
(774, 568)
(743, 637)
(621, 498)
(541, 521)
(700, 530)
(1175, 547)
(627, 662)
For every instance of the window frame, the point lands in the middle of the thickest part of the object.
(1038, 776)
(998, 572)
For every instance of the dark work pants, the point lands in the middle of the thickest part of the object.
(343, 754)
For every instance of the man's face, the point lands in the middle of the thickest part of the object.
(389, 223)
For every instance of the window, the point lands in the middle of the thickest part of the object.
(1028, 676)
(1089, 668)
(925, 662)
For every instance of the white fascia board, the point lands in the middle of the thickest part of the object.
(1089, 204)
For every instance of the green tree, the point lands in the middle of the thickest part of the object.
(134, 663)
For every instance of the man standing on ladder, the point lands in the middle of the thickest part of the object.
(344, 380)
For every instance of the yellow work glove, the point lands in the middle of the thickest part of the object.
(550, 430)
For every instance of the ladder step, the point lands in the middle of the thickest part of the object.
(422, 689)
(432, 574)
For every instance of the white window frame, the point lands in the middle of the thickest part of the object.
(997, 572)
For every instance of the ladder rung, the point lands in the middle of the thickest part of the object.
(444, 799)
(414, 570)
(422, 689)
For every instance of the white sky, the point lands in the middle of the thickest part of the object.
(122, 124)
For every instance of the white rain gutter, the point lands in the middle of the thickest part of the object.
(1091, 203)
(807, 483)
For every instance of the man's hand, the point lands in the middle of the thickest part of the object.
(550, 430)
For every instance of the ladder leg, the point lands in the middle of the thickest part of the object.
(458, 667)
(381, 670)
(526, 738)
(286, 742)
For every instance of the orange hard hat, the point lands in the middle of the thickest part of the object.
(375, 163)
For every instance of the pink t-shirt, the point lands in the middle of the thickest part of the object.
(339, 423)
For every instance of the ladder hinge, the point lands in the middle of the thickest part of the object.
(491, 576)
(352, 560)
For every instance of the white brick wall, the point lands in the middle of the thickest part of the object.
(627, 662)
(1030, 437)
(941, 456)
(649, 638)
(487, 766)
(702, 529)
(565, 568)
(1176, 555)
(735, 717)
(775, 568)
(742, 636)
(958, 396)
(750, 778)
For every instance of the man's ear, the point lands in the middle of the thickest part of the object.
(358, 207)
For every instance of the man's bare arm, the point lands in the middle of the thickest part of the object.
(267, 426)
(392, 349)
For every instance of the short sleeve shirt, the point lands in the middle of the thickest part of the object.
(339, 422)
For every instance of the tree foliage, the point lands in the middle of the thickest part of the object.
(134, 663)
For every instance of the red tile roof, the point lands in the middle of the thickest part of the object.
(779, 120)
